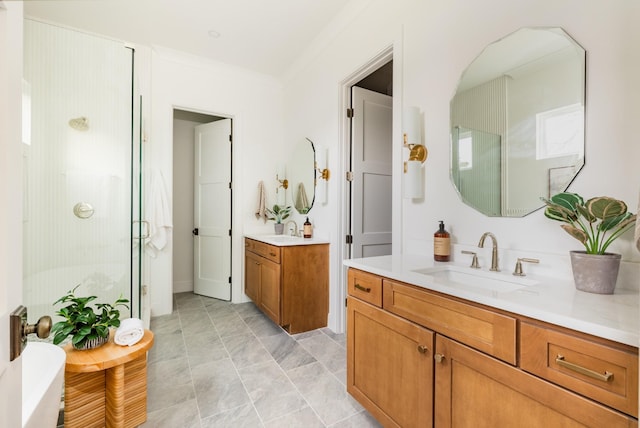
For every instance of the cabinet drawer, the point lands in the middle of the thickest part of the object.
(267, 251)
(603, 373)
(479, 328)
(365, 286)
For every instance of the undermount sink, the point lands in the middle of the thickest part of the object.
(484, 282)
(283, 238)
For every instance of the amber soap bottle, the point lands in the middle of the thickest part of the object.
(441, 244)
(307, 230)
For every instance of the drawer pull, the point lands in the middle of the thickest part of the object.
(361, 288)
(272, 254)
(606, 377)
(422, 349)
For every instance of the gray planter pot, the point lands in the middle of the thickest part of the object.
(278, 228)
(595, 273)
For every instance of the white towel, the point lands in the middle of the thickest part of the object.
(158, 213)
(261, 209)
(302, 202)
(130, 332)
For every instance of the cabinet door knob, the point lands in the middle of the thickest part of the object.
(422, 349)
(439, 358)
(361, 288)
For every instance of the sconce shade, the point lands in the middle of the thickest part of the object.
(413, 187)
(411, 125)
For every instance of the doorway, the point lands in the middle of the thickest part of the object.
(377, 77)
(193, 239)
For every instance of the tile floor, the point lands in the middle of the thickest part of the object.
(217, 364)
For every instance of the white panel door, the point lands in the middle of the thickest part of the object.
(212, 210)
(11, 201)
(371, 186)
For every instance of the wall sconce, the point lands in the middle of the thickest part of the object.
(413, 182)
(284, 183)
(322, 185)
(324, 174)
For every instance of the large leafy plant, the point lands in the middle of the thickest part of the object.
(278, 213)
(596, 223)
(81, 322)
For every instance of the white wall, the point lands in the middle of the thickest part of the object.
(254, 102)
(435, 41)
(11, 14)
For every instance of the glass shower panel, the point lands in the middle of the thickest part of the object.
(78, 180)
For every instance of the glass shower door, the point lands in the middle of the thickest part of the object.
(78, 176)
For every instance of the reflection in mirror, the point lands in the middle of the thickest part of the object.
(301, 176)
(517, 122)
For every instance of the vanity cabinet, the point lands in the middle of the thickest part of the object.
(390, 366)
(475, 390)
(485, 367)
(289, 284)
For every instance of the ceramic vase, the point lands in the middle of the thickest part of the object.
(595, 273)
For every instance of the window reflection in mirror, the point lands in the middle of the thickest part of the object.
(301, 176)
(517, 122)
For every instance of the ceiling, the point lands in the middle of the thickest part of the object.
(261, 35)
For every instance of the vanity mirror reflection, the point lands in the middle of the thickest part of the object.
(517, 122)
(301, 174)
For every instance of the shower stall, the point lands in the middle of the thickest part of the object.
(82, 169)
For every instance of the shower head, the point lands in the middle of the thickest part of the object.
(79, 123)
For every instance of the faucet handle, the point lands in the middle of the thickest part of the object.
(518, 270)
(474, 261)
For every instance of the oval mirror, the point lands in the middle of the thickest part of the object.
(517, 122)
(301, 174)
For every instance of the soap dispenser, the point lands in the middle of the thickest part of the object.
(441, 244)
(307, 230)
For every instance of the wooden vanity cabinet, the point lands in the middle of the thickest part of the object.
(289, 284)
(487, 368)
(390, 366)
(475, 390)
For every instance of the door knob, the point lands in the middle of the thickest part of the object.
(20, 328)
(42, 328)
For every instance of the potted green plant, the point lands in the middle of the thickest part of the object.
(277, 214)
(87, 328)
(596, 223)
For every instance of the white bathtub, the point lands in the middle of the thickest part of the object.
(42, 376)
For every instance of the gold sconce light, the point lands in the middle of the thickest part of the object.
(322, 173)
(412, 138)
(284, 183)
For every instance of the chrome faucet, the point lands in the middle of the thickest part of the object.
(294, 232)
(494, 252)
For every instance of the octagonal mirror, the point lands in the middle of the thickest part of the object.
(517, 122)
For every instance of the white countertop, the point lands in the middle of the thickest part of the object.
(287, 240)
(614, 317)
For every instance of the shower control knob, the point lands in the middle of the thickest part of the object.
(42, 328)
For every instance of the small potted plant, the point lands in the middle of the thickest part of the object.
(88, 329)
(596, 223)
(277, 214)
